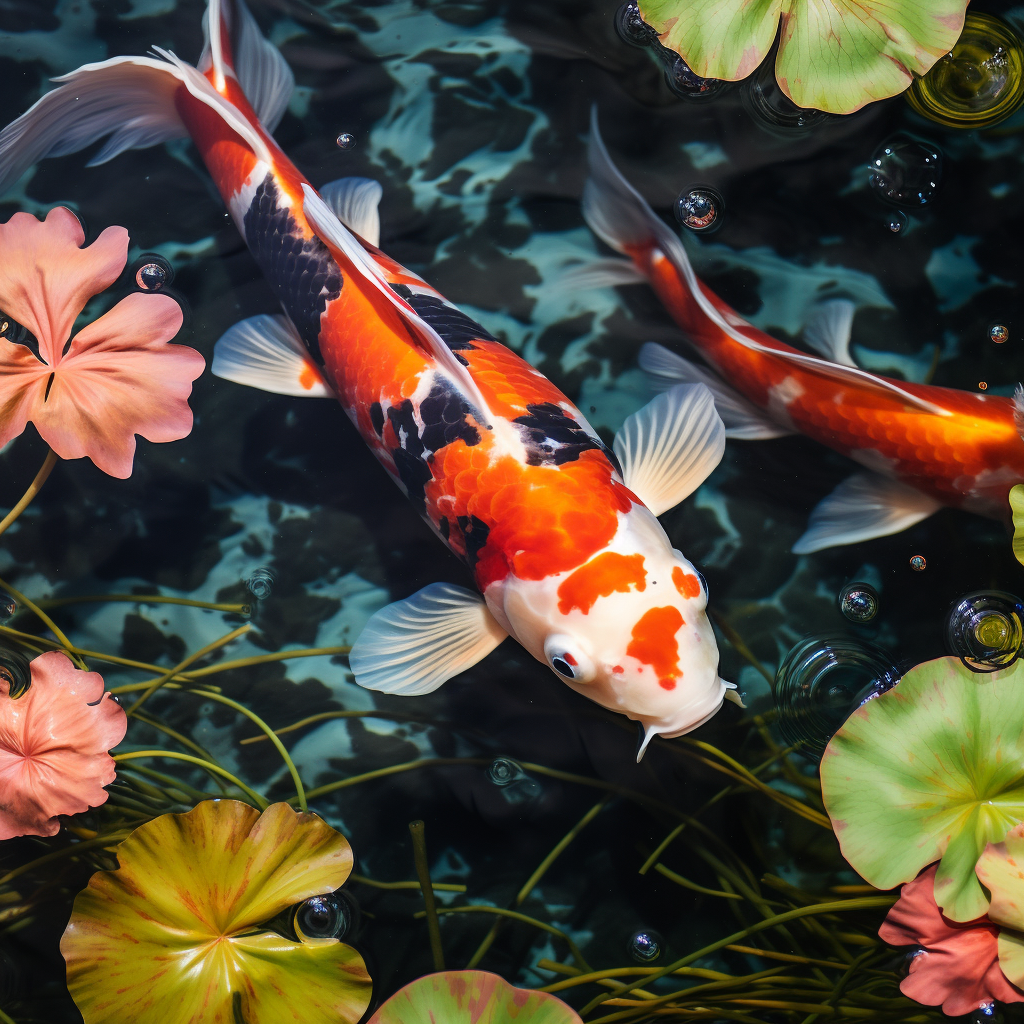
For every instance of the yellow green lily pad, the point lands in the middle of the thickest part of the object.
(1017, 509)
(471, 997)
(931, 770)
(836, 55)
(178, 933)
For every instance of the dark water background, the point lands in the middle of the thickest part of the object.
(474, 117)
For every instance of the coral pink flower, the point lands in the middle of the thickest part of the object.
(53, 746)
(959, 968)
(118, 377)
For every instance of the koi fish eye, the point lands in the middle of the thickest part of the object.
(567, 659)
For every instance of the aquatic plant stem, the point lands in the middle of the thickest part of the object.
(33, 489)
(59, 602)
(436, 886)
(111, 839)
(325, 716)
(4, 1019)
(155, 723)
(537, 875)
(517, 916)
(191, 659)
(693, 886)
(131, 755)
(45, 619)
(417, 830)
(838, 906)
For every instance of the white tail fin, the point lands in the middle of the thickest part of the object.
(132, 99)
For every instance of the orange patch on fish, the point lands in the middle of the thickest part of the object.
(687, 585)
(607, 573)
(308, 377)
(654, 643)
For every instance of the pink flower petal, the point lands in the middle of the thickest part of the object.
(959, 969)
(46, 278)
(53, 746)
(22, 383)
(121, 378)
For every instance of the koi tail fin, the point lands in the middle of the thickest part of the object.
(133, 100)
(617, 213)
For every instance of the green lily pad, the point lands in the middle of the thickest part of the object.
(836, 55)
(471, 997)
(1001, 870)
(1017, 508)
(932, 769)
(178, 933)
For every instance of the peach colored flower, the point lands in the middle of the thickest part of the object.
(959, 967)
(117, 377)
(53, 746)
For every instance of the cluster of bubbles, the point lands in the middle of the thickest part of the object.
(261, 582)
(985, 631)
(979, 82)
(324, 917)
(821, 682)
(644, 945)
(631, 27)
(345, 140)
(152, 272)
(859, 602)
(700, 209)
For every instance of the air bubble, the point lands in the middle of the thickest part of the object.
(821, 682)
(999, 333)
(682, 80)
(644, 945)
(918, 563)
(699, 209)
(979, 82)
(345, 140)
(983, 385)
(897, 222)
(858, 602)
(151, 277)
(987, 1013)
(774, 111)
(8, 607)
(984, 630)
(261, 582)
(906, 171)
(503, 771)
(323, 917)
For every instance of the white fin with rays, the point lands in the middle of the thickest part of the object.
(266, 352)
(827, 330)
(864, 506)
(671, 446)
(413, 646)
(356, 203)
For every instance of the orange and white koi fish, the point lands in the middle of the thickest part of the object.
(559, 531)
(923, 446)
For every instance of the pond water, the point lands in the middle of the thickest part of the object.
(474, 117)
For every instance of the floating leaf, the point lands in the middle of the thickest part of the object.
(471, 997)
(932, 769)
(1001, 870)
(178, 933)
(1017, 508)
(836, 55)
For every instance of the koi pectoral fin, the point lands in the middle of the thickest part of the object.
(356, 202)
(266, 352)
(864, 506)
(603, 273)
(743, 420)
(413, 646)
(827, 330)
(671, 446)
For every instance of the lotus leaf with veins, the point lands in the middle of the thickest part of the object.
(836, 55)
(471, 997)
(178, 933)
(931, 770)
(1001, 870)
(1017, 511)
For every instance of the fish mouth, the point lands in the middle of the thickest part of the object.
(680, 724)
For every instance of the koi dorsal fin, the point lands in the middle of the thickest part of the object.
(619, 215)
(356, 202)
(359, 264)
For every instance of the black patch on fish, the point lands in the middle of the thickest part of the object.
(444, 413)
(475, 533)
(552, 437)
(300, 269)
(16, 334)
(377, 418)
(455, 329)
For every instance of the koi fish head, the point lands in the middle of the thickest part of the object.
(628, 629)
